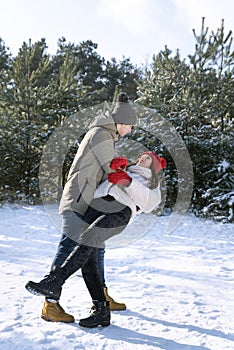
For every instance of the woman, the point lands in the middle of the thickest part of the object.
(116, 202)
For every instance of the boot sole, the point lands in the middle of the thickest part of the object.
(49, 320)
(103, 324)
(118, 309)
(33, 289)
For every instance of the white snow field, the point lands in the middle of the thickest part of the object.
(178, 287)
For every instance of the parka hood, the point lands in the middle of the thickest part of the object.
(104, 120)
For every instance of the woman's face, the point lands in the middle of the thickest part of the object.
(145, 161)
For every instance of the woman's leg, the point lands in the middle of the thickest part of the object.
(100, 315)
(101, 265)
(51, 285)
(92, 277)
(107, 225)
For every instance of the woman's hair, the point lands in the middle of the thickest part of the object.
(155, 177)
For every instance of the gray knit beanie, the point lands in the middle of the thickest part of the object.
(123, 112)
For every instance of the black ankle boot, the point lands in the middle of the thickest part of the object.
(100, 315)
(50, 286)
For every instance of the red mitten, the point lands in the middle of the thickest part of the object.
(119, 177)
(118, 162)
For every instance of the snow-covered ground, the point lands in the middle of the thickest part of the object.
(178, 288)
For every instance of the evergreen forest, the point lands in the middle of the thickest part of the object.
(195, 94)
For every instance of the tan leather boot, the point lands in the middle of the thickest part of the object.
(54, 312)
(114, 306)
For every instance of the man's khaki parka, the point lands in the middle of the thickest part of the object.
(90, 165)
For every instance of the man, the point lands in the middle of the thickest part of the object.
(90, 167)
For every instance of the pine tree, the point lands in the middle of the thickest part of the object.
(122, 74)
(197, 98)
(25, 102)
(5, 65)
(212, 74)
